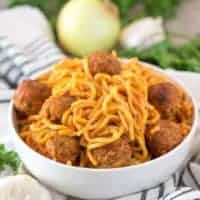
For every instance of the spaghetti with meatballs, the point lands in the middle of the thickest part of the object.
(102, 112)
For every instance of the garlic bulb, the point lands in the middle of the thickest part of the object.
(143, 33)
(23, 187)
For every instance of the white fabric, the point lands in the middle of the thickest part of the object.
(23, 25)
(28, 30)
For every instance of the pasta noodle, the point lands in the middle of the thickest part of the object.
(106, 108)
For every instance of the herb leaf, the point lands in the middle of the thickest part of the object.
(8, 158)
(164, 8)
(124, 6)
(165, 55)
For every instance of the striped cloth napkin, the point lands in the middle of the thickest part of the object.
(27, 46)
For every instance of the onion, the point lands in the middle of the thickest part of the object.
(85, 26)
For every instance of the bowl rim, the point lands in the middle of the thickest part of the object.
(119, 169)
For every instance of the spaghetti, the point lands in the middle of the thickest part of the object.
(106, 108)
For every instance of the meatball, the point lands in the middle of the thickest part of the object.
(30, 96)
(165, 97)
(63, 148)
(165, 139)
(103, 62)
(54, 107)
(117, 154)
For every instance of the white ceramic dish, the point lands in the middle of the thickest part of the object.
(103, 183)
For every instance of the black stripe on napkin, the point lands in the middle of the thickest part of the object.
(180, 181)
(9, 70)
(24, 63)
(2, 101)
(35, 44)
(166, 196)
(6, 81)
(18, 77)
(42, 67)
(144, 195)
(193, 177)
(174, 179)
(161, 190)
(11, 81)
(13, 61)
(6, 47)
(181, 194)
(183, 184)
(4, 59)
(171, 195)
(43, 48)
(194, 158)
(17, 66)
(73, 198)
(50, 52)
(3, 84)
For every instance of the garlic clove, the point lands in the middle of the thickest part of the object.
(143, 33)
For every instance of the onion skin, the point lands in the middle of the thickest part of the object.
(85, 26)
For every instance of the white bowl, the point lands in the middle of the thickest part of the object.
(103, 183)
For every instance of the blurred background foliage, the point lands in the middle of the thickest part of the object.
(164, 8)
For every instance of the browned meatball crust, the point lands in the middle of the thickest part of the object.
(30, 96)
(165, 97)
(54, 107)
(103, 62)
(117, 154)
(165, 139)
(64, 149)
